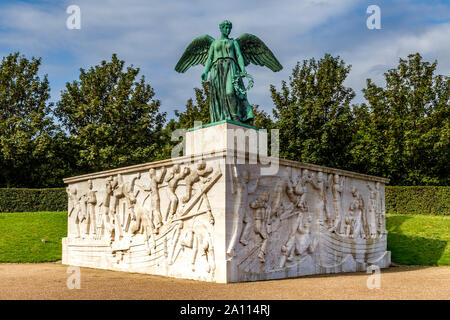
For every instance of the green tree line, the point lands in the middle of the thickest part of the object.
(109, 117)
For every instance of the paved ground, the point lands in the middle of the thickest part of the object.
(48, 281)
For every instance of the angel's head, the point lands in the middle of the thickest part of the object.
(225, 27)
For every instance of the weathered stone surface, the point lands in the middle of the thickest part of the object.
(203, 217)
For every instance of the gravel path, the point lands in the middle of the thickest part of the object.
(48, 281)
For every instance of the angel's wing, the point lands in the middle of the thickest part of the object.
(255, 51)
(195, 53)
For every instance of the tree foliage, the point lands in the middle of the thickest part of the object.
(262, 119)
(26, 128)
(404, 129)
(112, 118)
(198, 111)
(313, 113)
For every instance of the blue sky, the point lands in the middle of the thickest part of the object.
(152, 35)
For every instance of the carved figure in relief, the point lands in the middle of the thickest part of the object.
(204, 241)
(337, 189)
(106, 217)
(82, 215)
(306, 177)
(74, 208)
(152, 216)
(118, 192)
(243, 188)
(300, 190)
(380, 214)
(278, 206)
(133, 218)
(372, 212)
(198, 237)
(91, 202)
(173, 178)
(299, 241)
(321, 186)
(381, 211)
(296, 193)
(260, 219)
(200, 171)
(355, 219)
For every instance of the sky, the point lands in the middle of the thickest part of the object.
(152, 35)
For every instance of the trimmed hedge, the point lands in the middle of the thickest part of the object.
(21, 199)
(418, 200)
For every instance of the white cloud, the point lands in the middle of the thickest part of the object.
(374, 57)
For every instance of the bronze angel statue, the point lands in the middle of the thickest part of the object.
(225, 60)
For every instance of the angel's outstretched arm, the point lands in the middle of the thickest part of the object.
(208, 63)
(239, 56)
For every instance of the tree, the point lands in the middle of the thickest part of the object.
(262, 119)
(313, 113)
(195, 112)
(26, 128)
(111, 117)
(403, 130)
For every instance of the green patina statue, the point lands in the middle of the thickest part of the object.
(225, 59)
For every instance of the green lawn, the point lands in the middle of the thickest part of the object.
(21, 234)
(419, 239)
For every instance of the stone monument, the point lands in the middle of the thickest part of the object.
(225, 211)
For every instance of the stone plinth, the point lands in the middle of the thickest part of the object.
(221, 136)
(205, 216)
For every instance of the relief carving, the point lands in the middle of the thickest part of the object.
(199, 171)
(300, 241)
(299, 220)
(376, 212)
(150, 211)
(241, 180)
(372, 227)
(74, 208)
(91, 216)
(312, 218)
(339, 219)
(126, 212)
(355, 219)
(261, 222)
(322, 186)
(173, 178)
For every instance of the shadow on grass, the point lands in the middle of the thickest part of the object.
(412, 250)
